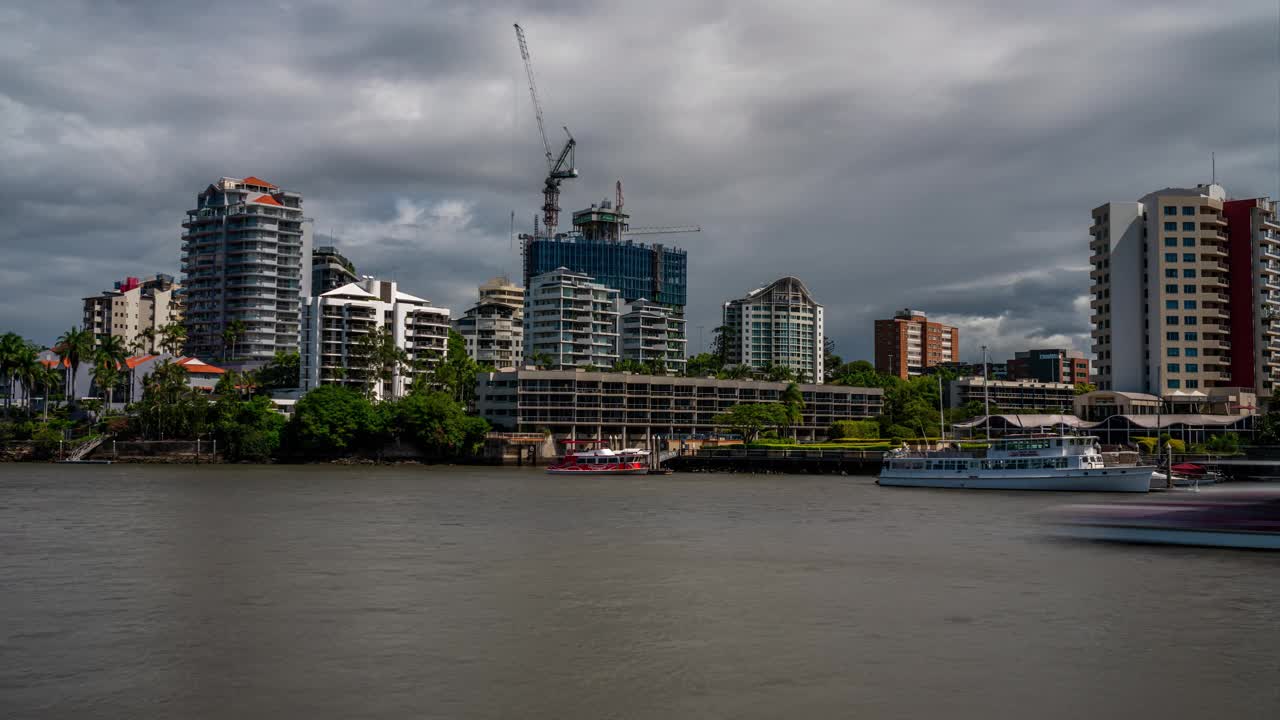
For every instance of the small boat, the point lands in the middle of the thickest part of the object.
(601, 461)
(1215, 518)
(1029, 462)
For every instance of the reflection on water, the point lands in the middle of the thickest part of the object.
(308, 592)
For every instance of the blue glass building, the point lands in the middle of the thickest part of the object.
(654, 272)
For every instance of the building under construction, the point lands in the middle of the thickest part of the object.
(599, 247)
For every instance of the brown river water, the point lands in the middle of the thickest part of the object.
(409, 592)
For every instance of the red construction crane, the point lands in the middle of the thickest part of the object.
(559, 167)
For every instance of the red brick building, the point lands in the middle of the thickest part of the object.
(908, 343)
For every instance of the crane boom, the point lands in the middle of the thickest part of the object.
(533, 92)
(663, 230)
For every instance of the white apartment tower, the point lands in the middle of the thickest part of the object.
(780, 324)
(337, 321)
(571, 320)
(246, 257)
(653, 333)
(493, 328)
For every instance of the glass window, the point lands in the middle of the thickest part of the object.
(1189, 320)
(1188, 210)
(1188, 304)
(1170, 304)
(1171, 272)
(1188, 289)
(1193, 367)
(1188, 227)
(1175, 384)
(1192, 352)
(1172, 367)
(1171, 210)
(1171, 289)
(1171, 352)
(1171, 336)
(1193, 383)
(1189, 273)
(1171, 242)
(1191, 336)
(1171, 320)
(1188, 257)
(1171, 227)
(1188, 242)
(1171, 257)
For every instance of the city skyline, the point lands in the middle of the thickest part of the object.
(794, 139)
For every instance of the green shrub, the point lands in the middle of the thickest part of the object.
(47, 440)
(851, 429)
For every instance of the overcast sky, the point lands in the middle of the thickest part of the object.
(936, 154)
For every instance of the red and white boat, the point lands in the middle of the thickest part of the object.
(601, 461)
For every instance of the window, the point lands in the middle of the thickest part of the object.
(1171, 227)
(1171, 257)
(1193, 383)
(1170, 272)
(1189, 320)
(1188, 289)
(1189, 273)
(1192, 352)
(1188, 242)
(1172, 352)
(1188, 257)
(1175, 384)
(1171, 242)
(1193, 367)
(1188, 304)
(1188, 210)
(1170, 304)
(1173, 368)
(1188, 227)
(1171, 320)
(1191, 336)
(1171, 289)
(1171, 336)
(1171, 210)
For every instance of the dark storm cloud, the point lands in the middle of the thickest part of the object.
(920, 154)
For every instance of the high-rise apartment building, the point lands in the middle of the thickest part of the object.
(246, 257)
(1050, 365)
(132, 309)
(598, 248)
(336, 323)
(570, 321)
(908, 343)
(330, 270)
(778, 324)
(493, 328)
(1184, 285)
(653, 333)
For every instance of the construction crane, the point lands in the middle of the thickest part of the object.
(559, 167)
(663, 230)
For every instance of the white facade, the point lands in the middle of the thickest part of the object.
(246, 257)
(494, 327)
(132, 308)
(335, 322)
(779, 324)
(571, 320)
(653, 333)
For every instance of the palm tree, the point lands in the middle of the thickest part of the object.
(174, 337)
(74, 346)
(110, 357)
(146, 340)
(106, 376)
(231, 334)
(10, 345)
(26, 367)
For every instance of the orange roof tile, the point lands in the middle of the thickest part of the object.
(251, 180)
(267, 200)
(134, 362)
(54, 363)
(194, 365)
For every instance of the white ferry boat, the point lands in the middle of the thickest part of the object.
(1050, 462)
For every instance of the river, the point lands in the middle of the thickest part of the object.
(409, 592)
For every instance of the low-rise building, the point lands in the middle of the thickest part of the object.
(570, 321)
(653, 333)
(1060, 365)
(630, 407)
(1013, 395)
(135, 311)
(336, 323)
